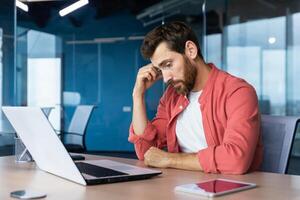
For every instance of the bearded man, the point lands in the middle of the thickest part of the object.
(207, 119)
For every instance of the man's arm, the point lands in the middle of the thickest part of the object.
(146, 77)
(157, 158)
(143, 133)
(139, 116)
(235, 152)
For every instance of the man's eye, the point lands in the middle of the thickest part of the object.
(166, 66)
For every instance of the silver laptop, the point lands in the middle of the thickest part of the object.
(50, 155)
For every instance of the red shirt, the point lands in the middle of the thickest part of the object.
(231, 122)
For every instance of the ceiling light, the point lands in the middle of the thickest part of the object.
(21, 5)
(73, 7)
(272, 40)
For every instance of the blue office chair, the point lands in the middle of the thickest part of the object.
(74, 137)
(278, 133)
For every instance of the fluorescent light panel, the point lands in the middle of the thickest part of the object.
(136, 37)
(73, 7)
(21, 5)
(97, 40)
(109, 40)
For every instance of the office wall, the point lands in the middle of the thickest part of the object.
(104, 75)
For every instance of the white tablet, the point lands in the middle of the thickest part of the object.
(215, 187)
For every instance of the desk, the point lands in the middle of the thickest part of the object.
(14, 176)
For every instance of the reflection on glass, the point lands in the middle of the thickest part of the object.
(259, 58)
(244, 62)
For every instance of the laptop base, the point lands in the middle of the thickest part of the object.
(119, 179)
(77, 157)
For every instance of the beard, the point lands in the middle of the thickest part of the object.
(183, 87)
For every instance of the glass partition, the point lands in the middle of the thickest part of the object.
(257, 41)
(7, 72)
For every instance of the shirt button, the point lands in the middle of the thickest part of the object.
(180, 107)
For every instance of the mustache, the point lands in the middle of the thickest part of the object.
(172, 82)
(169, 82)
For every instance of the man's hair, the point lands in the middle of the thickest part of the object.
(175, 34)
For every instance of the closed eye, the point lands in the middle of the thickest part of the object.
(168, 65)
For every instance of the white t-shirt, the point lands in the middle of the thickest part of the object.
(189, 126)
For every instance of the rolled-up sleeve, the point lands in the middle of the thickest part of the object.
(235, 153)
(143, 142)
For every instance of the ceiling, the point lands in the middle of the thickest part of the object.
(148, 12)
(42, 11)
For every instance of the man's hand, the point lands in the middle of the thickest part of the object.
(146, 77)
(155, 157)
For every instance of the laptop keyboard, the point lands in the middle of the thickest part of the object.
(97, 171)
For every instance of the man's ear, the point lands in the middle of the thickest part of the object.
(191, 50)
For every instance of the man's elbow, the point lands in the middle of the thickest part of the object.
(238, 167)
(140, 153)
(240, 170)
(140, 156)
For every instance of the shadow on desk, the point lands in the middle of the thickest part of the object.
(120, 154)
(8, 150)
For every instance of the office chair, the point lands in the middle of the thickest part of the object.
(277, 133)
(74, 137)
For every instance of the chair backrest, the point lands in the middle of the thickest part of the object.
(277, 133)
(78, 124)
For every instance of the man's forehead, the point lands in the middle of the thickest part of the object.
(157, 63)
(161, 54)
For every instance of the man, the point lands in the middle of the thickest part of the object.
(208, 119)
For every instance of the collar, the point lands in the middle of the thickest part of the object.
(209, 83)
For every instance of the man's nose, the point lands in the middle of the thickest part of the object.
(166, 75)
